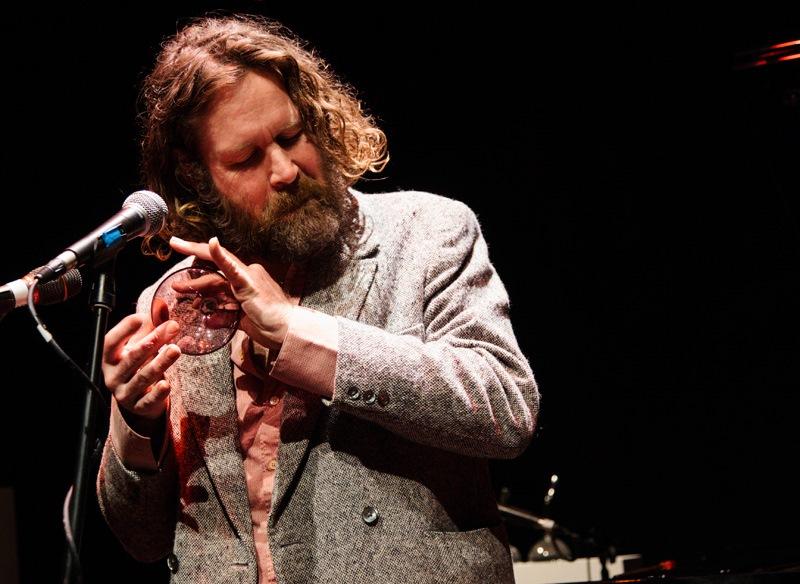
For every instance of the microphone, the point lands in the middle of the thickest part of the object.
(143, 213)
(15, 294)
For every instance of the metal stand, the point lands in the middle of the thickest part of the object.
(101, 303)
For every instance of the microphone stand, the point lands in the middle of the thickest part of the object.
(101, 303)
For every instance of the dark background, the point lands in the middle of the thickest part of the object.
(640, 199)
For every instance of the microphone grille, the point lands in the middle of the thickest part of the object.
(153, 206)
(61, 289)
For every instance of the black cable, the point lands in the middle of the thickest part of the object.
(73, 549)
(50, 340)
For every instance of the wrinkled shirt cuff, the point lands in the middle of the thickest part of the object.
(307, 358)
(134, 450)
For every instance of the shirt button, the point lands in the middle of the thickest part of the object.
(369, 396)
(273, 401)
(272, 464)
(353, 393)
(369, 515)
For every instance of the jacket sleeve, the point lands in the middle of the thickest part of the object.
(140, 505)
(459, 380)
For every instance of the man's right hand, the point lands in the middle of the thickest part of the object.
(134, 364)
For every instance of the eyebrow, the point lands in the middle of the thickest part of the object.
(298, 125)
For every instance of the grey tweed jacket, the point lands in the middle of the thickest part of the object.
(388, 481)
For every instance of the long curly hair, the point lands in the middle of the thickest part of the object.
(215, 52)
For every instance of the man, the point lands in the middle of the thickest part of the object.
(343, 435)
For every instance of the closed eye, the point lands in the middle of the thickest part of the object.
(289, 140)
(254, 157)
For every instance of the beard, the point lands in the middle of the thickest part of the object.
(308, 222)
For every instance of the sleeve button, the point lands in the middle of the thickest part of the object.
(383, 398)
(369, 396)
(353, 393)
(172, 563)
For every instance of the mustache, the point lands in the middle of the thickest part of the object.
(285, 201)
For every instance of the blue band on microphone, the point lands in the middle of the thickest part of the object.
(111, 237)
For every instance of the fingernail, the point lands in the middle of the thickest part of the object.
(170, 349)
(172, 327)
(214, 240)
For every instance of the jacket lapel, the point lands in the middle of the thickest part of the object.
(210, 404)
(345, 297)
(205, 386)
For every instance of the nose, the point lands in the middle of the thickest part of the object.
(283, 170)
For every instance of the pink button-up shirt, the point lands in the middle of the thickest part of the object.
(306, 360)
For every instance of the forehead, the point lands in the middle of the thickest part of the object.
(256, 107)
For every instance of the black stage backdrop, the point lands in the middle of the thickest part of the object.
(640, 199)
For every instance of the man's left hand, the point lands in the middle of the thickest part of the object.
(265, 305)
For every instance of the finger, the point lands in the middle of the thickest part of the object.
(231, 266)
(207, 283)
(122, 332)
(135, 354)
(194, 248)
(152, 402)
(222, 318)
(160, 311)
(154, 371)
(150, 374)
